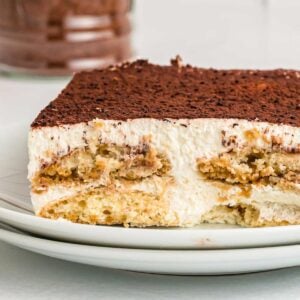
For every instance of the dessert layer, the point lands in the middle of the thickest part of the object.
(106, 163)
(254, 215)
(182, 141)
(141, 209)
(102, 206)
(196, 169)
(253, 166)
(176, 92)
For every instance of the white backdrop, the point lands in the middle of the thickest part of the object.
(220, 33)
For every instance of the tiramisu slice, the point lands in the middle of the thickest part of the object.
(148, 145)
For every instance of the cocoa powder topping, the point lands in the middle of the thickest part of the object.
(144, 90)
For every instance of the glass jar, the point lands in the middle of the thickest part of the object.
(58, 37)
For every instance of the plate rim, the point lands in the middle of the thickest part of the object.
(161, 261)
(20, 236)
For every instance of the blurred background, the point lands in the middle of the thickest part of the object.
(58, 37)
(220, 33)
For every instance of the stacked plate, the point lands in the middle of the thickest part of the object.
(207, 249)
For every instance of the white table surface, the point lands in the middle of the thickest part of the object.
(217, 33)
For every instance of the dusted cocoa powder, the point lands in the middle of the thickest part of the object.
(143, 90)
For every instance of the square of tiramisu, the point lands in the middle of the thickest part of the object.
(148, 145)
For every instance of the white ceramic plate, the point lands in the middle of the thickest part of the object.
(188, 262)
(14, 187)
